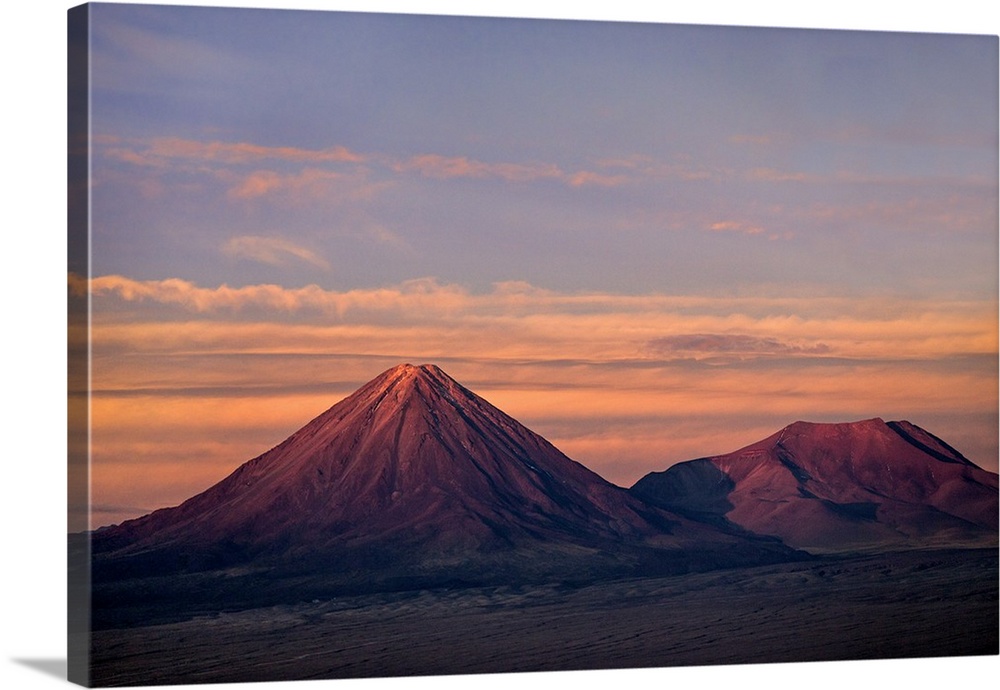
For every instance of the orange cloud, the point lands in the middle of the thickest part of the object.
(127, 155)
(243, 152)
(226, 162)
(736, 226)
(310, 184)
(585, 324)
(215, 157)
(418, 293)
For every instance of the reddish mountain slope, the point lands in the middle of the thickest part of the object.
(415, 475)
(848, 486)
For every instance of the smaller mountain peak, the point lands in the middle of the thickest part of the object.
(873, 422)
(802, 426)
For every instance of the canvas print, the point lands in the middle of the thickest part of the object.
(426, 345)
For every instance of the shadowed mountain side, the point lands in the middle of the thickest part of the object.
(830, 487)
(414, 481)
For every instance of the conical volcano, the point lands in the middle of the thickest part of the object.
(415, 476)
(833, 487)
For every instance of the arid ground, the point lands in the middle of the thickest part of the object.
(904, 604)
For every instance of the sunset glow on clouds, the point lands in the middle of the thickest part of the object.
(624, 384)
(643, 257)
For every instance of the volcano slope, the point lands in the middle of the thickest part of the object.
(411, 482)
(861, 486)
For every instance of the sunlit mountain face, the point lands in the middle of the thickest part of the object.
(822, 487)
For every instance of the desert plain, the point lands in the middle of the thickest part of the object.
(919, 603)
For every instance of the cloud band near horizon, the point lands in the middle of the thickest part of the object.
(625, 384)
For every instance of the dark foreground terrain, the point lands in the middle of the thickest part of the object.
(905, 604)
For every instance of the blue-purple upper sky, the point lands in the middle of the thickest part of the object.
(571, 155)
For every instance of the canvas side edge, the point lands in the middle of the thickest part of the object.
(78, 346)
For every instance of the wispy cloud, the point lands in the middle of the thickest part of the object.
(592, 325)
(738, 344)
(753, 139)
(246, 171)
(775, 175)
(158, 151)
(740, 227)
(679, 167)
(185, 294)
(434, 165)
(927, 211)
(131, 156)
(587, 178)
(271, 250)
(193, 155)
(257, 175)
(384, 236)
(315, 185)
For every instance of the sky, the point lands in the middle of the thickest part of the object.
(646, 242)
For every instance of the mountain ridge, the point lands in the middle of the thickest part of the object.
(414, 483)
(838, 486)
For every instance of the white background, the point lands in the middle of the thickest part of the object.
(33, 337)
